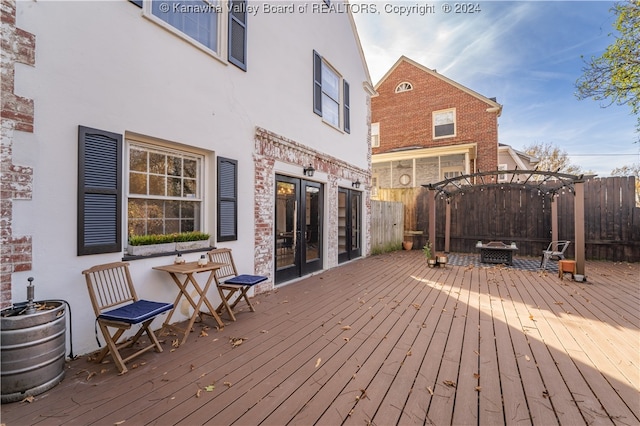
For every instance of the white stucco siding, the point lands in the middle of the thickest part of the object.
(103, 65)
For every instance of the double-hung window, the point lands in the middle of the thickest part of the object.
(444, 123)
(165, 190)
(375, 135)
(199, 20)
(202, 23)
(330, 94)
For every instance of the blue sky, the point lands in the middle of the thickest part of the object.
(527, 54)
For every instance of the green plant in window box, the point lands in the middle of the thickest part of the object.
(145, 240)
(141, 245)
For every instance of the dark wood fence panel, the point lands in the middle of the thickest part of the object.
(612, 221)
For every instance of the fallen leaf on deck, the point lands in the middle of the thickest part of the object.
(93, 373)
(416, 305)
(476, 376)
(478, 388)
(527, 358)
(409, 353)
(210, 388)
(237, 341)
(346, 339)
(449, 383)
(203, 333)
(228, 384)
(263, 331)
(430, 390)
(29, 399)
(175, 343)
(119, 423)
(531, 317)
(318, 362)
(198, 393)
(545, 394)
(558, 303)
(346, 327)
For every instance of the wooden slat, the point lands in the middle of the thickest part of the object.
(516, 346)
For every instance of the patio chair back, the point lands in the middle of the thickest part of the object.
(555, 251)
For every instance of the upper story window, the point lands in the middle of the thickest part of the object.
(444, 123)
(165, 190)
(405, 86)
(375, 135)
(330, 94)
(198, 20)
(502, 177)
(202, 22)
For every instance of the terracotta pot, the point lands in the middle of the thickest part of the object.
(407, 245)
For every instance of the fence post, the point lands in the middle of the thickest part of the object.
(579, 225)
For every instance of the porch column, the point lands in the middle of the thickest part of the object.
(578, 209)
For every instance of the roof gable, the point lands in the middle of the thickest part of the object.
(404, 59)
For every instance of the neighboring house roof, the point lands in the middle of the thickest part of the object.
(523, 160)
(493, 105)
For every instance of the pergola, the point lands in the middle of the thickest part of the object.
(546, 183)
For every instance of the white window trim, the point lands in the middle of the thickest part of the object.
(405, 86)
(375, 135)
(221, 38)
(502, 177)
(204, 193)
(450, 169)
(433, 123)
(340, 99)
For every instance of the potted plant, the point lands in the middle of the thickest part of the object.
(407, 245)
(442, 259)
(431, 261)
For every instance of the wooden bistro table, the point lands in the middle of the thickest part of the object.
(497, 252)
(188, 269)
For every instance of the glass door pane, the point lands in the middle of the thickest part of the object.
(286, 226)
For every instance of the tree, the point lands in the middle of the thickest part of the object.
(632, 170)
(615, 76)
(552, 158)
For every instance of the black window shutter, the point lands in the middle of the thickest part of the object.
(238, 34)
(99, 191)
(317, 83)
(227, 199)
(137, 2)
(347, 109)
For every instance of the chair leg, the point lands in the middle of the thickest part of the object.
(112, 347)
(245, 296)
(225, 302)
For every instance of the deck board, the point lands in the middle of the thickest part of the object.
(455, 345)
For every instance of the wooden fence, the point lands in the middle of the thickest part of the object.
(387, 225)
(612, 220)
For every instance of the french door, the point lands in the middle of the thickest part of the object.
(349, 224)
(298, 228)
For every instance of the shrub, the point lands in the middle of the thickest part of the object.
(145, 240)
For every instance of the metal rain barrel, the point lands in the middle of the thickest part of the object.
(32, 349)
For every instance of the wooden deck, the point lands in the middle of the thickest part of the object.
(386, 340)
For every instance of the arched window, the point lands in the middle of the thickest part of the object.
(405, 86)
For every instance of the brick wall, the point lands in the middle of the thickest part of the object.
(406, 120)
(270, 147)
(16, 114)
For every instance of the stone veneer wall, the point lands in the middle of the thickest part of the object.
(17, 114)
(270, 146)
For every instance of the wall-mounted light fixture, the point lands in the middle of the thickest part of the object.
(308, 171)
(356, 184)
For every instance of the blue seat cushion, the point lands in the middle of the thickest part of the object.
(245, 279)
(136, 312)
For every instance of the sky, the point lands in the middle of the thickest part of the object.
(527, 54)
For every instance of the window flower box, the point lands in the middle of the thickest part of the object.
(146, 245)
(150, 249)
